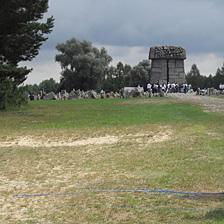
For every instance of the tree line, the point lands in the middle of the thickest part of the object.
(197, 80)
(86, 67)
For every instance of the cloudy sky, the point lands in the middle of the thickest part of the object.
(127, 28)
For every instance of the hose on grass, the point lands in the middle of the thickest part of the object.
(146, 191)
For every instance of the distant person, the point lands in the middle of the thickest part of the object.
(149, 86)
(164, 87)
(168, 88)
(198, 91)
(149, 89)
(173, 87)
(221, 86)
(31, 96)
(185, 88)
(176, 88)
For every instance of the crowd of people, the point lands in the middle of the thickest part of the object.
(156, 88)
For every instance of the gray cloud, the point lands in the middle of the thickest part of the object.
(195, 24)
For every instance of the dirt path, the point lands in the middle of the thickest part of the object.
(43, 142)
(212, 104)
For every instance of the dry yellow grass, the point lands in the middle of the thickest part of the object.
(70, 165)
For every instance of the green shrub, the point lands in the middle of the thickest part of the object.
(11, 95)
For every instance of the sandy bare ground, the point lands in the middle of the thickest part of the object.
(59, 180)
(210, 104)
(43, 142)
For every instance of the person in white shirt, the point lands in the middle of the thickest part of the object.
(149, 86)
(149, 89)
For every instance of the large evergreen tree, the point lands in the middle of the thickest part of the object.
(22, 32)
(194, 77)
(219, 77)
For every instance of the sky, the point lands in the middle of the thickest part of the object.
(128, 28)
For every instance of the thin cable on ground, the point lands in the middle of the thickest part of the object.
(152, 191)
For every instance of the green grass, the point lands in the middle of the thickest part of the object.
(102, 113)
(192, 159)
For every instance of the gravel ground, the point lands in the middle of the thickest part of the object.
(209, 103)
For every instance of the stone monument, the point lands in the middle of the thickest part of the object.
(167, 64)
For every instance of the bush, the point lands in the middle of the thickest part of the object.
(11, 95)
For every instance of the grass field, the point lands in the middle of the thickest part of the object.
(72, 150)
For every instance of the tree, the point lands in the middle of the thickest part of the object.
(140, 74)
(117, 77)
(219, 77)
(49, 85)
(32, 89)
(21, 35)
(124, 75)
(209, 81)
(110, 83)
(194, 77)
(199, 81)
(83, 65)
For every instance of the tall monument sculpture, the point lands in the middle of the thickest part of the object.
(167, 64)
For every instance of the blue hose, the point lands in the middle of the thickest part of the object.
(155, 191)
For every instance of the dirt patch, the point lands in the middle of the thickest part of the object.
(148, 138)
(38, 142)
(34, 142)
(209, 103)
